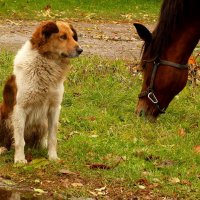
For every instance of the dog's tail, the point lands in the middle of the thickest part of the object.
(6, 108)
(9, 96)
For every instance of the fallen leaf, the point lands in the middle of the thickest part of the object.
(185, 182)
(93, 136)
(101, 189)
(8, 182)
(197, 149)
(145, 173)
(99, 166)
(92, 118)
(39, 190)
(165, 163)
(192, 60)
(77, 184)
(181, 132)
(37, 181)
(156, 180)
(101, 193)
(142, 187)
(174, 180)
(67, 172)
(93, 193)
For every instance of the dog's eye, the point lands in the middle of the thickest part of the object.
(63, 37)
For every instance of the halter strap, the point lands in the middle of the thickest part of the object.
(150, 90)
(172, 64)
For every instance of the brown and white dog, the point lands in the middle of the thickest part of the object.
(33, 94)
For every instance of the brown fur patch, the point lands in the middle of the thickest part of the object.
(43, 32)
(6, 108)
(9, 97)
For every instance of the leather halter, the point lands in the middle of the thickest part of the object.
(150, 90)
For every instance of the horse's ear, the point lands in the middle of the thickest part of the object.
(143, 32)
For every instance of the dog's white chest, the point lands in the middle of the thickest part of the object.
(37, 114)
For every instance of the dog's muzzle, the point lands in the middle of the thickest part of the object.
(76, 53)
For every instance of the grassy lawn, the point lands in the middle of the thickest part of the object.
(83, 10)
(98, 126)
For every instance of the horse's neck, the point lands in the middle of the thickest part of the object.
(183, 43)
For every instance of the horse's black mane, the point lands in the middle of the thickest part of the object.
(171, 14)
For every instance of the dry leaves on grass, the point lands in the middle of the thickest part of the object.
(164, 164)
(105, 166)
(70, 179)
(143, 183)
(66, 172)
(145, 188)
(48, 12)
(194, 70)
(99, 191)
(38, 190)
(99, 166)
(186, 182)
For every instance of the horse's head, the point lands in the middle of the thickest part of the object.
(165, 54)
(163, 77)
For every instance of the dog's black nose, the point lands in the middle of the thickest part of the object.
(79, 50)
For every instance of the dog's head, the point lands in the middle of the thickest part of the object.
(58, 39)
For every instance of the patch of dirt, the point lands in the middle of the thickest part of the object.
(69, 185)
(110, 40)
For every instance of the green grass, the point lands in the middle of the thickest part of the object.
(83, 10)
(98, 125)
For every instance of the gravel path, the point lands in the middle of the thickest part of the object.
(110, 40)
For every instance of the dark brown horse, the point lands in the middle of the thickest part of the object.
(165, 54)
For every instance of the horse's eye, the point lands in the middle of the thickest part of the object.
(63, 37)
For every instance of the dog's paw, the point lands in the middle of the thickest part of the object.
(54, 158)
(20, 161)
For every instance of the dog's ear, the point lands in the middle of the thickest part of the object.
(43, 32)
(49, 28)
(75, 36)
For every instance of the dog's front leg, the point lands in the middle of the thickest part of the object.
(53, 117)
(19, 118)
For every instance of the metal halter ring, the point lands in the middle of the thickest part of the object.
(152, 98)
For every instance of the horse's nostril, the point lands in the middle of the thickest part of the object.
(79, 50)
(142, 113)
